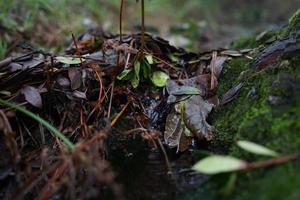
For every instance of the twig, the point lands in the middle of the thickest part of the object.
(270, 162)
(143, 27)
(77, 50)
(165, 155)
(120, 114)
(121, 19)
(111, 98)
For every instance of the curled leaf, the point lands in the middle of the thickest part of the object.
(256, 148)
(219, 164)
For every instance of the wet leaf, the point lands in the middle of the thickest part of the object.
(200, 82)
(219, 65)
(256, 148)
(69, 60)
(195, 114)
(159, 78)
(63, 81)
(173, 129)
(75, 78)
(124, 74)
(79, 94)
(230, 94)
(186, 90)
(32, 96)
(219, 164)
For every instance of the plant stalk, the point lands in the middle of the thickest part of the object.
(121, 19)
(143, 27)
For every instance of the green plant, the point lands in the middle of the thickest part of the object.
(216, 164)
(3, 48)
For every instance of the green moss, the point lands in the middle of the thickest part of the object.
(250, 116)
(248, 42)
(294, 21)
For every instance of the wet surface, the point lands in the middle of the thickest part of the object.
(145, 174)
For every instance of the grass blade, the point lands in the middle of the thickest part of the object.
(40, 120)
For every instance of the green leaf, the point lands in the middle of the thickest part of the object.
(123, 74)
(186, 90)
(135, 81)
(149, 59)
(137, 67)
(159, 78)
(219, 164)
(146, 70)
(69, 60)
(256, 148)
(136, 78)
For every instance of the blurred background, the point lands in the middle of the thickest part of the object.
(198, 25)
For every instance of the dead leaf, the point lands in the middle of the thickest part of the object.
(219, 65)
(230, 94)
(195, 114)
(173, 129)
(79, 94)
(32, 96)
(75, 78)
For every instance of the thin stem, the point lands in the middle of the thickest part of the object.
(143, 27)
(121, 19)
(77, 50)
(270, 162)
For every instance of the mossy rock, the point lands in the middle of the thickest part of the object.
(265, 111)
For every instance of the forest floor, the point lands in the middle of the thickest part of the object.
(127, 117)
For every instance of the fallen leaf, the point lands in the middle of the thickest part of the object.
(219, 65)
(233, 53)
(200, 82)
(69, 60)
(75, 78)
(195, 113)
(173, 129)
(79, 94)
(186, 90)
(32, 96)
(230, 94)
(219, 164)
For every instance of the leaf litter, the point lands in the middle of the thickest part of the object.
(103, 86)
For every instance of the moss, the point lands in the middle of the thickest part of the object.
(248, 42)
(251, 116)
(294, 21)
